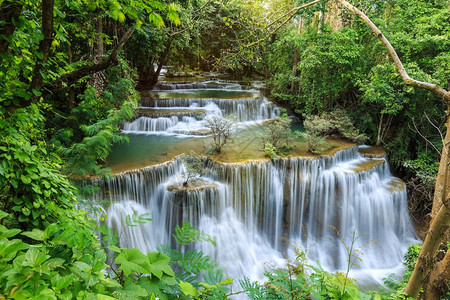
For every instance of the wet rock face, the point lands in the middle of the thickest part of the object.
(191, 186)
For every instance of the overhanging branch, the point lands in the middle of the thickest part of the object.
(290, 14)
(436, 89)
(112, 59)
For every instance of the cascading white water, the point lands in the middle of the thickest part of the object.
(169, 116)
(257, 209)
(245, 111)
(207, 84)
(252, 206)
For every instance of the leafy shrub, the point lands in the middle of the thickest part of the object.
(278, 139)
(316, 144)
(335, 124)
(425, 167)
(270, 150)
(32, 187)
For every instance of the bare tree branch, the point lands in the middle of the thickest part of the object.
(290, 14)
(425, 138)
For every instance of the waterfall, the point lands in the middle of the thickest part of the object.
(206, 84)
(246, 111)
(253, 208)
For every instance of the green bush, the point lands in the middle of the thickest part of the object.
(334, 124)
(278, 139)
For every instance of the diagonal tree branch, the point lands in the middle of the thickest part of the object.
(290, 14)
(84, 71)
(436, 89)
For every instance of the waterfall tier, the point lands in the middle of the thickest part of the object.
(206, 84)
(252, 209)
(175, 117)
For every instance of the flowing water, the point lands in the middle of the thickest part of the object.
(255, 209)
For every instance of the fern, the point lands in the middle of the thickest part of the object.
(192, 266)
(188, 234)
(253, 289)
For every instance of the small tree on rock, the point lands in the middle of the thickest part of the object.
(194, 168)
(222, 129)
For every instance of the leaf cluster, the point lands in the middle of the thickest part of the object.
(278, 139)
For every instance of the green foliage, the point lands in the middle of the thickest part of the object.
(187, 234)
(32, 187)
(385, 88)
(278, 139)
(295, 283)
(335, 124)
(410, 258)
(316, 143)
(100, 118)
(425, 167)
(191, 266)
(329, 64)
(63, 261)
(270, 150)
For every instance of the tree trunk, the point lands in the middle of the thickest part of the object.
(45, 44)
(443, 178)
(99, 30)
(148, 76)
(438, 283)
(320, 22)
(9, 11)
(426, 260)
(378, 143)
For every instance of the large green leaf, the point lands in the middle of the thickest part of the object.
(7, 233)
(152, 286)
(34, 258)
(35, 234)
(159, 264)
(9, 249)
(133, 291)
(3, 214)
(133, 260)
(188, 289)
